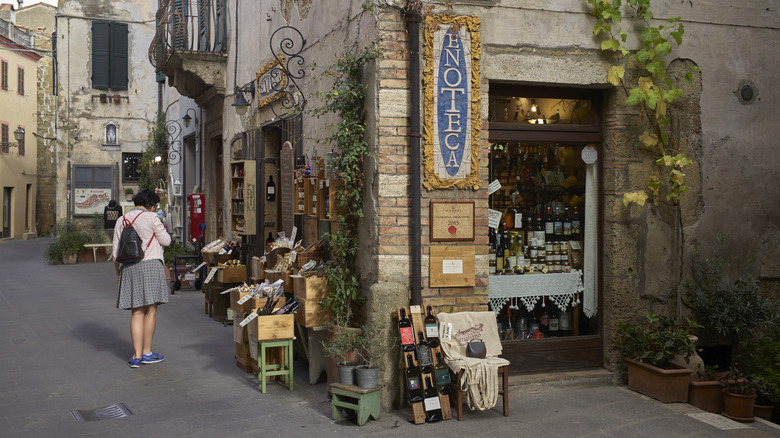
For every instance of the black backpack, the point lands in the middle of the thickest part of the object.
(131, 248)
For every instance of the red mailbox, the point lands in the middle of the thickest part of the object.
(196, 215)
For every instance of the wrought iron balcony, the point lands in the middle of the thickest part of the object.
(190, 45)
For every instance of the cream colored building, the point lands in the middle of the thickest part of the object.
(18, 108)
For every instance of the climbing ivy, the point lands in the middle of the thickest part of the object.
(346, 99)
(150, 171)
(651, 90)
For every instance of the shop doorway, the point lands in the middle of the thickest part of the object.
(7, 213)
(544, 254)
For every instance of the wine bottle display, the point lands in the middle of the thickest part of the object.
(442, 375)
(270, 189)
(414, 387)
(432, 403)
(424, 357)
(406, 331)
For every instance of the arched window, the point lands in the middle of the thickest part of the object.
(111, 134)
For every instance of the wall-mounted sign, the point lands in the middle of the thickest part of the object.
(270, 81)
(452, 221)
(452, 102)
(589, 154)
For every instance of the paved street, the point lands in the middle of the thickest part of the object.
(65, 347)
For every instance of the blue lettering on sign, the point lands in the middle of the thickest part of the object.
(453, 101)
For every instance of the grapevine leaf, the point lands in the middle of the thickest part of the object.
(615, 74)
(642, 55)
(638, 197)
(645, 84)
(663, 48)
(648, 139)
(682, 161)
(666, 160)
(677, 177)
(654, 184)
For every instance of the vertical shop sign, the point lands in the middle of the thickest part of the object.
(452, 102)
(287, 187)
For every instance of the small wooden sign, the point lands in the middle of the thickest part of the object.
(451, 266)
(452, 221)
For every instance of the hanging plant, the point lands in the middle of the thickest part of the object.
(346, 99)
(151, 171)
(651, 90)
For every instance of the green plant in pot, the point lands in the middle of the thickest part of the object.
(340, 345)
(739, 395)
(128, 194)
(372, 343)
(650, 347)
(69, 242)
(760, 361)
(704, 390)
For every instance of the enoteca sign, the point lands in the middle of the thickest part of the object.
(452, 102)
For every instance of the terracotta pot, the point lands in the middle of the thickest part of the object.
(70, 260)
(738, 407)
(117, 98)
(667, 386)
(763, 411)
(706, 395)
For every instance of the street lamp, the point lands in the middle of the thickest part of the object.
(241, 104)
(187, 119)
(19, 134)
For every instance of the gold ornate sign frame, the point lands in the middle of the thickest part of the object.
(282, 83)
(434, 23)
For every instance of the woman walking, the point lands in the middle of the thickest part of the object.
(142, 286)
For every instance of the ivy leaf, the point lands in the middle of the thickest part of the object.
(643, 55)
(638, 197)
(615, 74)
(663, 48)
(660, 109)
(634, 97)
(648, 139)
(677, 177)
(645, 84)
(655, 185)
(682, 160)
(612, 44)
(666, 160)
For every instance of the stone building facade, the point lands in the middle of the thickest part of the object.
(544, 51)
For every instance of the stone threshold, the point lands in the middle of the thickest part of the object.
(586, 378)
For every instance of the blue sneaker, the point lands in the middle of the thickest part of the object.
(152, 358)
(134, 362)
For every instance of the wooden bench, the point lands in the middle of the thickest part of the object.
(365, 403)
(95, 246)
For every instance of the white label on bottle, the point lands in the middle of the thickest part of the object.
(432, 404)
(548, 227)
(492, 187)
(452, 266)
(431, 331)
(271, 190)
(248, 319)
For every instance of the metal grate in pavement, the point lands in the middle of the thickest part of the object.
(118, 410)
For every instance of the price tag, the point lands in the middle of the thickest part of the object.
(227, 291)
(293, 256)
(294, 232)
(493, 187)
(494, 218)
(244, 299)
(544, 269)
(195, 269)
(415, 309)
(212, 272)
(248, 319)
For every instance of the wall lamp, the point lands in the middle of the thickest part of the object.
(18, 136)
(187, 119)
(241, 104)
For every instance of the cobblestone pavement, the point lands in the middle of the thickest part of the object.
(65, 347)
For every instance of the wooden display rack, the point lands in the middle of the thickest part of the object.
(418, 411)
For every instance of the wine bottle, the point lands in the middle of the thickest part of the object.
(270, 189)
(492, 251)
(442, 375)
(558, 225)
(499, 254)
(576, 230)
(432, 328)
(539, 230)
(566, 224)
(424, 357)
(544, 319)
(549, 226)
(268, 242)
(554, 324)
(432, 403)
(414, 389)
(407, 332)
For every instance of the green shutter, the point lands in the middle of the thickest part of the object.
(118, 68)
(100, 54)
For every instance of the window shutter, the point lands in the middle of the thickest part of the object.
(118, 68)
(203, 25)
(100, 54)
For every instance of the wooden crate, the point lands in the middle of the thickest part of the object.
(323, 206)
(309, 292)
(310, 196)
(235, 274)
(243, 358)
(272, 327)
(299, 205)
(235, 296)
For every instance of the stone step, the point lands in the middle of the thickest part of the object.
(539, 382)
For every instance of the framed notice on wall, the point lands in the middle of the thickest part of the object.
(452, 221)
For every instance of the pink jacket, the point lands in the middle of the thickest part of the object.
(148, 226)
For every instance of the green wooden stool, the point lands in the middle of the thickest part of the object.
(365, 402)
(283, 369)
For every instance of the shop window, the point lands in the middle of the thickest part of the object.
(20, 81)
(130, 163)
(4, 75)
(109, 55)
(4, 138)
(543, 250)
(91, 188)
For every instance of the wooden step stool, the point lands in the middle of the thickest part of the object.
(365, 402)
(284, 369)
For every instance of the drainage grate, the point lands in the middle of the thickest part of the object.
(118, 410)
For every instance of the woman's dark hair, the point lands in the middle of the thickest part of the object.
(146, 198)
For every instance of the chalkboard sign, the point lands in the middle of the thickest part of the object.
(287, 188)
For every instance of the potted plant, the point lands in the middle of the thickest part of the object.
(704, 390)
(341, 345)
(128, 194)
(650, 348)
(66, 247)
(372, 342)
(738, 395)
(760, 360)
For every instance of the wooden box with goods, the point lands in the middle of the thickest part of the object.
(273, 327)
(211, 253)
(231, 271)
(309, 291)
(316, 252)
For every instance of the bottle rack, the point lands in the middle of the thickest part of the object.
(242, 197)
(418, 411)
